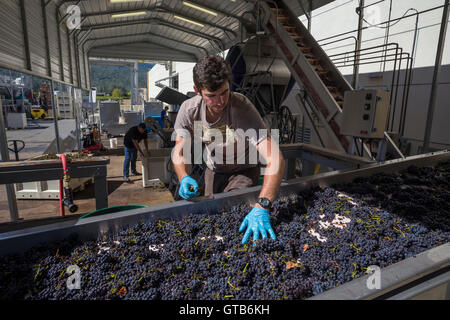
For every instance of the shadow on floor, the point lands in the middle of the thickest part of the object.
(89, 192)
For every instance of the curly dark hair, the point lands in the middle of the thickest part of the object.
(211, 72)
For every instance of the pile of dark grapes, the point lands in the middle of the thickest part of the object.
(325, 238)
(417, 194)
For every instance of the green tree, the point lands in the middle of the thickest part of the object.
(117, 93)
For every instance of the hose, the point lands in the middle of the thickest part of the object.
(65, 191)
(61, 197)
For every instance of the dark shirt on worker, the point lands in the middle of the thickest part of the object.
(133, 133)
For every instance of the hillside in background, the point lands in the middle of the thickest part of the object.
(107, 78)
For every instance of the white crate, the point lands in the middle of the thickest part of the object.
(154, 167)
(47, 189)
(16, 120)
(153, 141)
(64, 105)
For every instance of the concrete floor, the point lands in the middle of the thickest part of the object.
(120, 193)
(38, 136)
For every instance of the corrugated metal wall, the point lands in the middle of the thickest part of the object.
(74, 63)
(12, 52)
(36, 39)
(65, 53)
(81, 62)
(12, 43)
(53, 37)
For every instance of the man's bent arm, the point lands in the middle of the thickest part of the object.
(177, 158)
(136, 144)
(274, 169)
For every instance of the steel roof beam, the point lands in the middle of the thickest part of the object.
(228, 14)
(140, 34)
(106, 61)
(195, 58)
(190, 31)
(149, 33)
(157, 20)
(181, 42)
(170, 10)
(158, 7)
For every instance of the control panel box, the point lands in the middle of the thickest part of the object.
(365, 113)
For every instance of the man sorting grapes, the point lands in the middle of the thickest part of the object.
(230, 128)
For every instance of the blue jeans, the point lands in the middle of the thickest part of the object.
(130, 156)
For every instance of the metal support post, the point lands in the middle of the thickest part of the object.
(170, 74)
(92, 104)
(352, 147)
(307, 12)
(134, 84)
(47, 45)
(307, 168)
(437, 69)
(310, 15)
(85, 67)
(10, 193)
(26, 42)
(69, 44)
(101, 189)
(289, 172)
(77, 119)
(55, 116)
(77, 58)
(358, 48)
(60, 49)
(381, 153)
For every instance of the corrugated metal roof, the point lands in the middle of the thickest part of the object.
(157, 35)
(217, 33)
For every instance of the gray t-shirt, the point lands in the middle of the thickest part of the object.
(230, 142)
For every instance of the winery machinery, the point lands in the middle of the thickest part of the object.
(282, 52)
(261, 75)
(423, 276)
(110, 118)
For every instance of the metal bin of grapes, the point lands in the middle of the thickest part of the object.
(378, 232)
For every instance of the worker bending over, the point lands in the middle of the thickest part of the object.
(215, 110)
(131, 147)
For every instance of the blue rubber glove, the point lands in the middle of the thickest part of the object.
(187, 184)
(257, 221)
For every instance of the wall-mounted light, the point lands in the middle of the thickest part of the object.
(187, 3)
(188, 20)
(120, 1)
(128, 14)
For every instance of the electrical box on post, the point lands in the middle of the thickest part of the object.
(365, 113)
